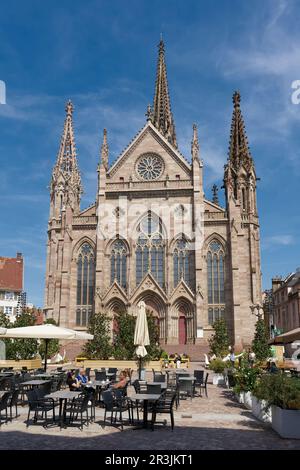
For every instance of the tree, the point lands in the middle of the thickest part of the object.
(20, 348)
(124, 341)
(100, 347)
(53, 344)
(260, 344)
(219, 342)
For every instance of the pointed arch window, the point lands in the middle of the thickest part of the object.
(215, 282)
(150, 249)
(85, 284)
(118, 263)
(183, 263)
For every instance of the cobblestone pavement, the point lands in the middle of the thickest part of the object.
(216, 422)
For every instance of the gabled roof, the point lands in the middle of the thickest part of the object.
(149, 127)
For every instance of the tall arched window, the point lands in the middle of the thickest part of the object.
(184, 263)
(118, 263)
(215, 282)
(85, 284)
(150, 252)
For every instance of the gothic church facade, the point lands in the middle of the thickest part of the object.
(152, 235)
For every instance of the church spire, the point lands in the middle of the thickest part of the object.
(162, 117)
(239, 152)
(104, 150)
(66, 184)
(66, 158)
(195, 144)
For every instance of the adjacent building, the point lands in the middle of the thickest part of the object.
(286, 303)
(11, 285)
(153, 235)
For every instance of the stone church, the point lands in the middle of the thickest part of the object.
(152, 235)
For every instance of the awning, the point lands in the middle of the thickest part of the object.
(288, 337)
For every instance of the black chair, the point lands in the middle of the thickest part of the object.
(186, 388)
(115, 406)
(112, 370)
(92, 394)
(204, 385)
(136, 386)
(153, 389)
(59, 369)
(79, 406)
(42, 405)
(13, 402)
(162, 406)
(170, 391)
(199, 376)
(4, 404)
(100, 375)
(88, 373)
(157, 377)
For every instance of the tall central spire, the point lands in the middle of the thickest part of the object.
(239, 152)
(162, 116)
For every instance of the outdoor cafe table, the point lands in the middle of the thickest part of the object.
(190, 377)
(35, 383)
(99, 385)
(145, 398)
(63, 396)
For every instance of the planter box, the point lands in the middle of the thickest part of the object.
(218, 379)
(259, 410)
(248, 400)
(240, 397)
(286, 422)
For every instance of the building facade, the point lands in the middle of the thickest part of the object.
(11, 285)
(152, 234)
(286, 303)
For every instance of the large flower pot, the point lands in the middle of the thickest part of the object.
(248, 400)
(218, 379)
(286, 422)
(260, 411)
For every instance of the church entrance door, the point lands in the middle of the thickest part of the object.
(182, 329)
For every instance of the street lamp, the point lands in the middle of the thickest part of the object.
(257, 307)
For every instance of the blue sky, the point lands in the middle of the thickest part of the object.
(102, 55)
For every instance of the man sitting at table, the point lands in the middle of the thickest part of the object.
(81, 377)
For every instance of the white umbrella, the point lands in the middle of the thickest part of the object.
(141, 333)
(46, 332)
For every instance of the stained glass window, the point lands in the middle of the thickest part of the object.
(215, 282)
(150, 166)
(150, 251)
(183, 263)
(118, 263)
(85, 284)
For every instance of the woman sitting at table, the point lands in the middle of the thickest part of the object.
(122, 380)
(72, 382)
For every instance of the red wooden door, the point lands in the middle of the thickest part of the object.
(182, 329)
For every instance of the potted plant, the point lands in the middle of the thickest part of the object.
(260, 408)
(245, 379)
(218, 366)
(282, 394)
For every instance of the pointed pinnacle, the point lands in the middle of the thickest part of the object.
(69, 108)
(104, 150)
(236, 98)
(195, 143)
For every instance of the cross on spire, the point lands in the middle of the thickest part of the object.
(162, 116)
(239, 152)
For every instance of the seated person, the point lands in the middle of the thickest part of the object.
(81, 377)
(122, 380)
(72, 382)
(273, 368)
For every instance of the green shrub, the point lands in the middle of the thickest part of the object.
(246, 378)
(219, 342)
(164, 355)
(217, 365)
(279, 390)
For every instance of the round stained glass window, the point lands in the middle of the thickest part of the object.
(150, 166)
